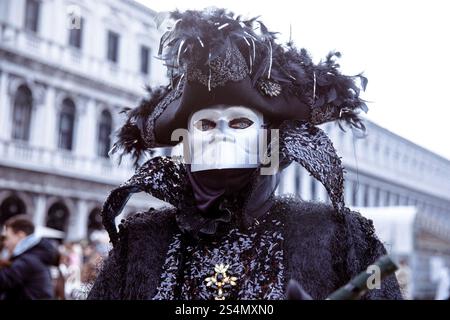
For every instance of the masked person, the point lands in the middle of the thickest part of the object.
(250, 107)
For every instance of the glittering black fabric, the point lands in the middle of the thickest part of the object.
(161, 177)
(230, 66)
(321, 250)
(319, 246)
(306, 144)
(254, 256)
(324, 114)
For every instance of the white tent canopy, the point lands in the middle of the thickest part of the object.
(46, 232)
(394, 226)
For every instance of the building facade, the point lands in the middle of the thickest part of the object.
(382, 169)
(66, 70)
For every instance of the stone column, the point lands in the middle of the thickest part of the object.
(289, 179)
(40, 213)
(322, 194)
(348, 192)
(280, 188)
(85, 130)
(49, 123)
(372, 191)
(4, 10)
(41, 120)
(392, 197)
(78, 222)
(360, 195)
(383, 198)
(403, 200)
(5, 108)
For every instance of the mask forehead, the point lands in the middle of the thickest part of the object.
(208, 113)
(227, 113)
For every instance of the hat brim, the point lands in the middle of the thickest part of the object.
(240, 93)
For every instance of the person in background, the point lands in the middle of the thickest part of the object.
(404, 274)
(71, 265)
(440, 275)
(27, 276)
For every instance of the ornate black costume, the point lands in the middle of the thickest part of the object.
(249, 243)
(299, 240)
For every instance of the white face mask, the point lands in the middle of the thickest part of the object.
(224, 137)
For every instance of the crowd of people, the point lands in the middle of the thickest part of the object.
(77, 269)
(35, 267)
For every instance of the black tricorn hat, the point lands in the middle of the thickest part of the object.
(214, 58)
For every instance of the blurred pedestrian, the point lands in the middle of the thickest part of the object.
(404, 277)
(70, 266)
(27, 276)
(440, 274)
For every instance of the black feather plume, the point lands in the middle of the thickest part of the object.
(322, 86)
(204, 35)
(130, 136)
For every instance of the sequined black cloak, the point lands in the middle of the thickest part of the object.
(310, 242)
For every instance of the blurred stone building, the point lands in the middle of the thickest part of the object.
(66, 70)
(382, 169)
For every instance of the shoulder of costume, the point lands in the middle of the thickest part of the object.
(162, 218)
(162, 177)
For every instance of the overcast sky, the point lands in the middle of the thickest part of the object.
(402, 47)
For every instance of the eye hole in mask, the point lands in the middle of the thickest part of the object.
(205, 125)
(238, 123)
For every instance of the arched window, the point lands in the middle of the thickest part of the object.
(10, 207)
(104, 134)
(23, 103)
(95, 221)
(32, 12)
(66, 124)
(58, 216)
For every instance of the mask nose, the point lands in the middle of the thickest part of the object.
(222, 125)
(222, 133)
